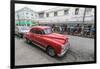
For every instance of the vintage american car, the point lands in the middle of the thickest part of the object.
(21, 30)
(53, 43)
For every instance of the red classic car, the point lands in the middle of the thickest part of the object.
(53, 43)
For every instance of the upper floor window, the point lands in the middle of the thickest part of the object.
(35, 15)
(76, 11)
(47, 14)
(41, 15)
(55, 13)
(27, 13)
(66, 12)
(36, 31)
(32, 14)
(88, 10)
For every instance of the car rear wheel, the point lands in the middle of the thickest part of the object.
(20, 35)
(27, 40)
(51, 52)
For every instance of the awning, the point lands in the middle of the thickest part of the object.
(17, 22)
(24, 22)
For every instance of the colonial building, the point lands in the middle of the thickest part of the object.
(61, 19)
(25, 17)
(69, 16)
(66, 15)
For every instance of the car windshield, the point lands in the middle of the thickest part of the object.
(48, 31)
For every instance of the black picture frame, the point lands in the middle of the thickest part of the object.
(12, 27)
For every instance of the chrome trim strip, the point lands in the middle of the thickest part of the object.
(39, 46)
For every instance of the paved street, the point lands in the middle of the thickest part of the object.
(82, 49)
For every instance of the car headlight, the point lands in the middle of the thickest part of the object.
(63, 47)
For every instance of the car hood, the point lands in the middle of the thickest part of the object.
(56, 37)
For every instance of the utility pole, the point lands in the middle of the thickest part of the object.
(84, 15)
(83, 21)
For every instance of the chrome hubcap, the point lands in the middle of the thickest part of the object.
(51, 52)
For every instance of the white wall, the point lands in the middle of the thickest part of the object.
(22, 14)
(60, 18)
(71, 17)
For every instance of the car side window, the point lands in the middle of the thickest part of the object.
(32, 31)
(36, 32)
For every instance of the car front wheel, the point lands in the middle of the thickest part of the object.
(51, 52)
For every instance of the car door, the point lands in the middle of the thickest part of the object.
(35, 37)
(31, 35)
(39, 38)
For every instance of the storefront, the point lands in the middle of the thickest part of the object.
(73, 28)
(26, 23)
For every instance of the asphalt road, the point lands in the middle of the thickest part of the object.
(81, 49)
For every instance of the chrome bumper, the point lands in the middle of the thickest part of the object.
(67, 45)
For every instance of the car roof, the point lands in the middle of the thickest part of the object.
(40, 27)
(22, 27)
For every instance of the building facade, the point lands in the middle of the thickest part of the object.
(25, 17)
(66, 15)
(57, 15)
(62, 19)
(73, 20)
